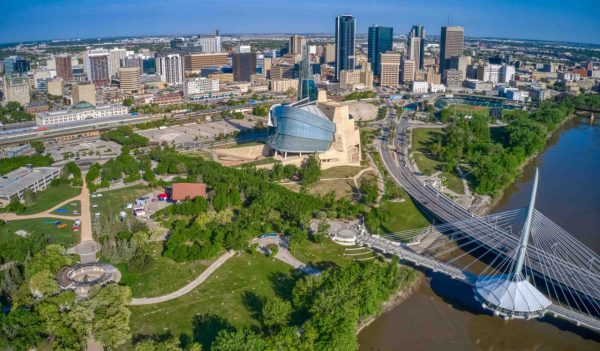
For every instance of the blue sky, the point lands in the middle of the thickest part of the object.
(25, 20)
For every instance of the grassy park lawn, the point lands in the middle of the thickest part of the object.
(159, 278)
(421, 140)
(50, 197)
(65, 236)
(113, 201)
(69, 208)
(340, 172)
(326, 252)
(399, 216)
(224, 294)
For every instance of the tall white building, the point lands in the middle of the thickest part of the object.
(489, 73)
(115, 57)
(210, 43)
(200, 86)
(507, 73)
(170, 68)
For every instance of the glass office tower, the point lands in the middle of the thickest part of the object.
(380, 41)
(345, 43)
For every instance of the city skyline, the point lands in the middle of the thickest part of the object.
(535, 20)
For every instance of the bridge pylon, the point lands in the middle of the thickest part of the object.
(512, 295)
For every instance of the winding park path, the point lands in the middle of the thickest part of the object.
(282, 254)
(189, 287)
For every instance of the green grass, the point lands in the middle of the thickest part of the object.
(399, 216)
(159, 278)
(464, 110)
(264, 161)
(236, 144)
(113, 201)
(66, 236)
(340, 172)
(222, 294)
(326, 252)
(421, 140)
(50, 197)
(70, 207)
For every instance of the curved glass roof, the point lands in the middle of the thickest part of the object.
(299, 130)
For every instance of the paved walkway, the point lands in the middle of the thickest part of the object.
(283, 254)
(87, 247)
(186, 289)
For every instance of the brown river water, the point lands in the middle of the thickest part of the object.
(443, 314)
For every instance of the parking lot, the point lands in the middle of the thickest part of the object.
(81, 148)
(192, 132)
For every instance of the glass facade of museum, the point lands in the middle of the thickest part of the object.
(299, 130)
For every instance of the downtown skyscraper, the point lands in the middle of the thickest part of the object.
(380, 41)
(451, 44)
(345, 43)
(416, 45)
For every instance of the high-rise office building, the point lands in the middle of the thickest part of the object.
(459, 63)
(408, 70)
(416, 45)
(210, 43)
(98, 68)
(345, 44)
(16, 89)
(488, 73)
(149, 65)
(297, 43)
(244, 65)
(115, 57)
(83, 92)
(130, 80)
(15, 65)
(451, 44)
(63, 67)
(507, 73)
(380, 41)
(308, 87)
(329, 53)
(390, 69)
(193, 63)
(170, 68)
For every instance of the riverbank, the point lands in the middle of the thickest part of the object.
(496, 199)
(395, 300)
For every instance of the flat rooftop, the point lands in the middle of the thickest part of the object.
(14, 181)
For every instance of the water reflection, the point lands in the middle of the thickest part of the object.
(443, 315)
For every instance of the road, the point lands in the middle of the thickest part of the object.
(561, 271)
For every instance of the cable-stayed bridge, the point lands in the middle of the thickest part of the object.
(519, 262)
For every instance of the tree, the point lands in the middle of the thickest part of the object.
(52, 259)
(21, 329)
(277, 173)
(239, 340)
(369, 191)
(275, 313)
(111, 319)
(38, 146)
(310, 172)
(128, 102)
(29, 197)
(43, 283)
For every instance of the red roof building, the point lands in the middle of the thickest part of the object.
(182, 191)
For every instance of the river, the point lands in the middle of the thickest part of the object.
(443, 315)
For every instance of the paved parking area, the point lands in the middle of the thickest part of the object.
(191, 132)
(83, 147)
